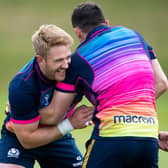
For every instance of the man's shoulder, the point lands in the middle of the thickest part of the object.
(79, 61)
(18, 83)
(21, 82)
(25, 77)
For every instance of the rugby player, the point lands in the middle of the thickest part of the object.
(39, 132)
(118, 70)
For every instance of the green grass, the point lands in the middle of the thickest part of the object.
(20, 18)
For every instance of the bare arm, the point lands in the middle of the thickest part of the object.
(53, 114)
(31, 136)
(161, 83)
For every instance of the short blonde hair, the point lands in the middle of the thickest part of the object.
(48, 36)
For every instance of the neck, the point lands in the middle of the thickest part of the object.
(83, 37)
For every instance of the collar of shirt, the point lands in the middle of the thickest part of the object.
(96, 30)
(93, 33)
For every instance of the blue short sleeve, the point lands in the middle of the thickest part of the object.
(23, 102)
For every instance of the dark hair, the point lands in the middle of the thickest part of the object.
(86, 16)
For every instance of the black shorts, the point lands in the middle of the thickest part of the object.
(62, 153)
(122, 153)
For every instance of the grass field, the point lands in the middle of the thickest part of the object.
(20, 18)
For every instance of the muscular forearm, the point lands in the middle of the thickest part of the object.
(32, 136)
(49, 116)
(53, 114)
(40, 137)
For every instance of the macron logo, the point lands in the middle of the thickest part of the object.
(133, 119)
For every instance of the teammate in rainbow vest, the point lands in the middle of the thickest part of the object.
(118, 72)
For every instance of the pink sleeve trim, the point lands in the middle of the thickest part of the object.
(66, 87)
(25, 121)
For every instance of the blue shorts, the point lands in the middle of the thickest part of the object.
(121, 153)
(62, 153)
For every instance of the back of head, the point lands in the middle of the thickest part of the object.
(86, 16)
(48, 36)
